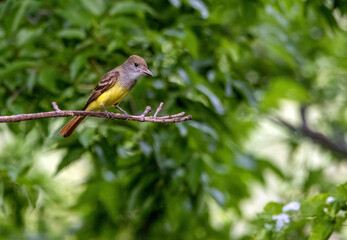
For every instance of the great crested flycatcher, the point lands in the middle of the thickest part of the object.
(113, 87)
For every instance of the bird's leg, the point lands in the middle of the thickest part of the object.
(108, 114)
(124, 112)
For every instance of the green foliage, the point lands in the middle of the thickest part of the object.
(227, 63)
(321, 213)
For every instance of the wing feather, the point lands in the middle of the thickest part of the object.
(106, 82)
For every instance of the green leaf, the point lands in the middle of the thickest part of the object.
(32, 75)
(314, 206)
(200, 6)
(27, 36)
(138, 193)
(191, 43)
(176, 3)
(48, 77)
(282, 55)
(342, 192)
(217, 104)
(87, 137)
(96, 7)
(321, 229)
(205, 128)
(174, 32)
(72, 34)
(19, 15)
(329, 17)
(124, 7)
(283, 88)
(24, 171)
(112, 46)
(76, 15)
(4, 8)
(33, 195)
(77, 64)
(218, 196)
(246, 91)
(273, 208)
(195, 171)
(15, 66)
(109, 196)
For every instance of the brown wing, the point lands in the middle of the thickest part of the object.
(105, 83)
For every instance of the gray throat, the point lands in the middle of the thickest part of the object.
(128, 80)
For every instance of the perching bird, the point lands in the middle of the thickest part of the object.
(113, 87)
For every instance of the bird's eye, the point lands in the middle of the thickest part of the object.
(136, 64)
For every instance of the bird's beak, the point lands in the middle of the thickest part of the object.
(149, 73)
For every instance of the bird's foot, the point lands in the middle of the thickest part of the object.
(108, 114)
(127, 116)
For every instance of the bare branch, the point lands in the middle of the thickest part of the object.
(339, 147)
(158, 109)
(65, 113)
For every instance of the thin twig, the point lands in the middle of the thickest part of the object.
(158, 109)
(148, 109)
(174, 115)
(65, 113)
(55, 106)
(143, 115)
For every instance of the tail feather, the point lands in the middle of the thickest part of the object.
(68, 129)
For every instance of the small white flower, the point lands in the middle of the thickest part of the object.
(281, 220)
(330, 200)
(292, 206)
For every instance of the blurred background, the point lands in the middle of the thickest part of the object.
(263, 158)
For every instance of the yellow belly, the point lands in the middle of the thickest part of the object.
(109, 98)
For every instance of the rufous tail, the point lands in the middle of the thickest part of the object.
(68, 129)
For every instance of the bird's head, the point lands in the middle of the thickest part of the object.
(136, 67)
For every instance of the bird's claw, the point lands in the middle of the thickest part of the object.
(108, 115)
(127, 116)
